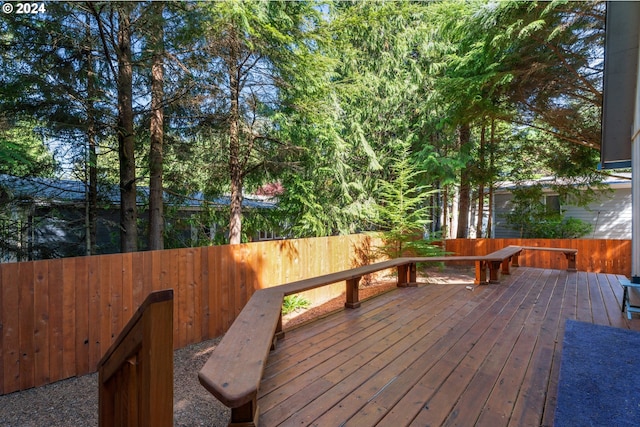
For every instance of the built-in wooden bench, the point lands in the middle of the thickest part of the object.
(570, 254)
(234, 369)
(499, 261)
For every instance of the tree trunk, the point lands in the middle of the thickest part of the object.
(126, 138)
(481, 185)
(464, 139)
(436, 211)
(491, 160)
(235, 170)
(445, 212)
(92, 161)
(156, 130)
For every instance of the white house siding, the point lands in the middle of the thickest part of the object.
(610, 215)
(501, 206)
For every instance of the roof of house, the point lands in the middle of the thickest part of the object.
(619, 180)
(60, 191)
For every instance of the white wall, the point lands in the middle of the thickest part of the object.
(610, 215)
(501, 206)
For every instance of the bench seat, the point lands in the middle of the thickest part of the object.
(570, 254)
(500, 260)
(234, 370)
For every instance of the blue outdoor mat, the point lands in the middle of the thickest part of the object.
(599, 382)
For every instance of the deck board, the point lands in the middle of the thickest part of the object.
(438, 354)
(530, 402)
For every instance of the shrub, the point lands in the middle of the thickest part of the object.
(533, 219)
(292, 303)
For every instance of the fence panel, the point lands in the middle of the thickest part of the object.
(10, 318)
(59, 317)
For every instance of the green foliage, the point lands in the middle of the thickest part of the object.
(351, 106)
(22, 152)
(380, 86)
(403, 211)
(533, 218)
(261, 74)
(293, 303)
(535, 69)
(546, 58)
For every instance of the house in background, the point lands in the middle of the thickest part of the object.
(42, 218)
(609, 214)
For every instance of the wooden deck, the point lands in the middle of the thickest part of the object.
(438, 354)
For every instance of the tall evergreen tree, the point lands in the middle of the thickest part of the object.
(254, 57)
(156, 127)
(382, 85)
(50, 73)
(22, 152)
(403, 210)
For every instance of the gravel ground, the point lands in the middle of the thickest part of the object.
(74, 402)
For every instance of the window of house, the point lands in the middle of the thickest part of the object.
(552, 203)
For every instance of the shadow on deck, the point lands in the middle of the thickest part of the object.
(438, 354)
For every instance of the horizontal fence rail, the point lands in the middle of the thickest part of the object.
(58, 317)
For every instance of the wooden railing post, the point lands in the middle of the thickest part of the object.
(136, 373)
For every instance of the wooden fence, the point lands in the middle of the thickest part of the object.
(58, 317)
(600, 256)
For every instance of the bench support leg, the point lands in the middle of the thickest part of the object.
(481, 273)
(494, 271)
(279, 333)
(571, 261)
(353, 299)
(514, 260)
(245, 415)
(407, 275)
(505, 266)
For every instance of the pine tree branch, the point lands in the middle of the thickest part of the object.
(103, 38)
